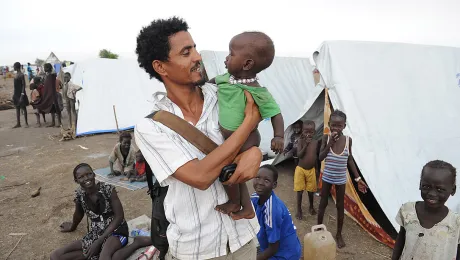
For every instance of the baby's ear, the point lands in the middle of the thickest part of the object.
(275, 184)
(248, 64)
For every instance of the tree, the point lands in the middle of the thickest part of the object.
(107, 54)
(39, 62)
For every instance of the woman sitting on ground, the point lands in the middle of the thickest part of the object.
(122, 158)
(108, 231)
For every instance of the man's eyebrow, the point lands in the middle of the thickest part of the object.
(188, 47)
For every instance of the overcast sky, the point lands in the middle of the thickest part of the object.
(77, 30)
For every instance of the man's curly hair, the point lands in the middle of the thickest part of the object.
(153, 42)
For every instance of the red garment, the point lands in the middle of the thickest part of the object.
(40, 89)
(140, 168)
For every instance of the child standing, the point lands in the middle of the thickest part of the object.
(336, 150)
(68, 93)
(250, 53)
(293, 142)
(305, 172)
(277, 235)
(429, 230)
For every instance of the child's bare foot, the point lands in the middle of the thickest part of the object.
(312, 211)
(124, 179)
(52, 125)
(244, 213)
(298, 215)
(340, 242)
(26, 126)
(38, 125)
(228, 208)
(17, 126)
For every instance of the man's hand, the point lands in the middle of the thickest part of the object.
(252, 111)
(66, 227)
(248, 164)
(277, 144)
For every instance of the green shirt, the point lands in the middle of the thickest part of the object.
(232, 102)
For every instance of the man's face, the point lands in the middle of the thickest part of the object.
(66, 78)
(48, 68)
(183, 66)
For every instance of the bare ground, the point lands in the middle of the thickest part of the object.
(33, 157)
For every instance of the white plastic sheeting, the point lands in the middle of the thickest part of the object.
(289, 80)
(108, 82)
(403, 110)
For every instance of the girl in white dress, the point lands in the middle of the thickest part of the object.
(430, 230)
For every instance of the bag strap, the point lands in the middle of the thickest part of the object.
(186, 130)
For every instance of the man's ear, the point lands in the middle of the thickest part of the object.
(454, 190)
(248, 64)
(275, 184)
(420, 185)
(158, 66)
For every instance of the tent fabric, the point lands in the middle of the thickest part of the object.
(289, 80)
(402, 108)
(107, 83)
(52, 58)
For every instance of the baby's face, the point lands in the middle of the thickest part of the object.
(236, 58)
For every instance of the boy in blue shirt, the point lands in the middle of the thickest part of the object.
(277, 236)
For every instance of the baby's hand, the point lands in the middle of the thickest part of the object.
(277, 144)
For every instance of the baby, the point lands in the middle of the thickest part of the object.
(250, 53)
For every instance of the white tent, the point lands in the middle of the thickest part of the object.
(403, 110)
(289, 80)
(52, 58)
(107, 83)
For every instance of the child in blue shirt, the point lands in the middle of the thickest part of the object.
(277, 236)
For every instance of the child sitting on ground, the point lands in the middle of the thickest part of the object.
(430, 230)
(277, 235)
(293, 142)
(122, 158)
(139, 174)
(108, 231)
(305, 172)
(336, 150)
(250, 53)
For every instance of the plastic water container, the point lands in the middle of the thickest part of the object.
(139, 232)
(319, 244)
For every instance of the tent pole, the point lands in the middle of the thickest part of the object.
(116, 121)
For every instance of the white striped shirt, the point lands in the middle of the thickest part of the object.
(196, 229)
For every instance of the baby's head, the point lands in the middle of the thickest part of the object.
(337, 122)
(297, 127)
(250, 53)
(139, 156)
(437, 183)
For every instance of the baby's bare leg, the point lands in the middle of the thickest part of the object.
(234, 201)
(247, 211)
(238, 194)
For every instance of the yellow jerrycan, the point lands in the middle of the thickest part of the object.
(319, 244)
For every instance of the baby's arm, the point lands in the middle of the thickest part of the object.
(399, 245)
(277, 143)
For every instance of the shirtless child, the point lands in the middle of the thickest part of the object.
(250, 53)
(305, 172)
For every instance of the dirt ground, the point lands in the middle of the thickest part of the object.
(33, 157)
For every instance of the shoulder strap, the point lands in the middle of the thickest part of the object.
(184, 129)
